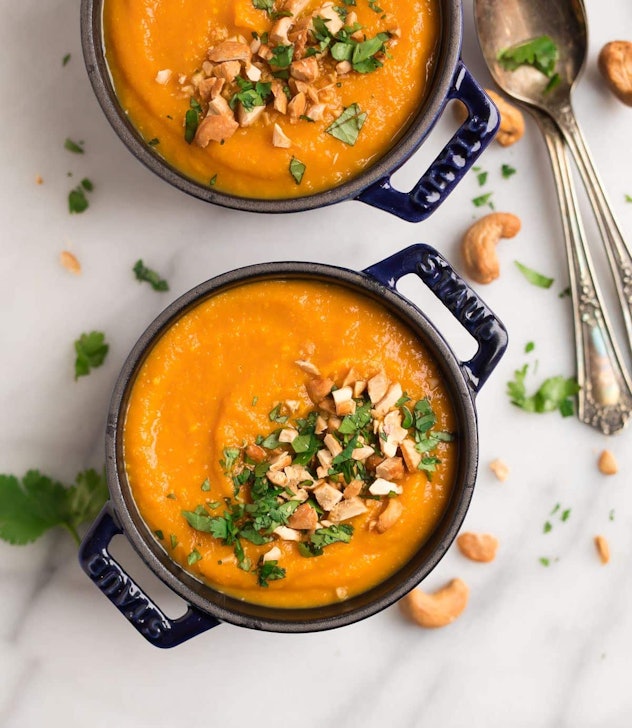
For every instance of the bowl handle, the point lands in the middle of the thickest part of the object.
(453, 162)
(127, 596)
(464, 304)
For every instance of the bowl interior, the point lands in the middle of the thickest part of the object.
(255, 616)
(99, 74)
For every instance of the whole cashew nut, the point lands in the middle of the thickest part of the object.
(615, 64)
(511, 120)
(438, 609)
(479, 244)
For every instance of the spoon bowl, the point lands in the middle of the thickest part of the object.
(504, 23)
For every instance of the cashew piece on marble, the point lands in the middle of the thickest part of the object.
(615, 64)
(511, 119)
(438, 609)
(479, 244)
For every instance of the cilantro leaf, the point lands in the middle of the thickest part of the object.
(555, 393)
(38, 503)
(347, 126)
(540, 52)
(143, 273)
(66, 59)
(77, 201)
(535, 278)
(73, 147)
(267, 5)
(507, 171)
(297, 170)
(269, 571)
(482, 200)
(91, 351)
(192, 120)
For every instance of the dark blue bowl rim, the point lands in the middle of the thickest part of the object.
(400, 152)
(245, 614)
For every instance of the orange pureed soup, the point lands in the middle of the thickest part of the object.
(275, 103)
(290, 442)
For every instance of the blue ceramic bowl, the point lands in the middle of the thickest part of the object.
(451, 80)
(207, 606)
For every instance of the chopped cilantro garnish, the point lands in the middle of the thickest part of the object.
(547, 527)
(529, 347)
(553, 82)
(507, 171)
(143, 273)
(540, 52)
(375, 7)
(87, 184)
(565, 293)
(206, 486)
(269, 571)
(544, 561)
(297, 170)
(159, 534)
(251, 94)
(192, 120)
(173, 541)
(565, 515)
(482, 200)
(535, 278)
(274, 415)
(481, 178)
(628, 198)
(73, 147)
(91, 351)
(347, 126)
(213, 180)
(611, 515)
(282, 56)
(66, 59)
(194, 557)
(77, 200)
(230, 456)
(153, 142)
(267, 5)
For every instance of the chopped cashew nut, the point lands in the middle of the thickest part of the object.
(377, 385)
(479, 245)
(390, 469)
(288, 434)
(163, 77)
(307, 367)
(478, 546)
(500, 469)
(274, 554)
(334, 447)
(412, 458)
(280, 461)
(383, 487)
(280, 138)
(607, 463)
(362, 453)
(287, 534)
(327, 496)
(229, 50)
(603, 549)
(318, 388)
(387, 402)
(348, 508)
(390, 515)
(438, 609)
(304, 518)
(615, 64)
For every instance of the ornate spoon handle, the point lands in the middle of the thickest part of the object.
(619, 256)
(605, 398)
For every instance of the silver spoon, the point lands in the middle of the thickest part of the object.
(605, 400)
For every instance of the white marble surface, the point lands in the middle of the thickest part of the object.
(536, 646)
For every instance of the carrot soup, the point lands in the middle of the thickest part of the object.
(271, 98)
(291, 443)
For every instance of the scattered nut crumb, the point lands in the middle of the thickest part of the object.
(39, 180)
(607, 463)
(70, 262)
(478, 546)
(603, 549)
(500, 469)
